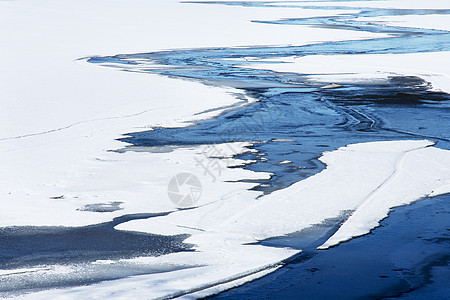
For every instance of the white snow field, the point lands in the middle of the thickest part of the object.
(61, 118)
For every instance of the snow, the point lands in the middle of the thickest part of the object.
(410, 4)
(367, 179)
(225, 269)
(136, 179)
(433, 67)
(61, 118)
(358, 178)
(439, 22)
(414, 177)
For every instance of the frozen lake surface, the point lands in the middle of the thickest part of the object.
(295, 120)
(294, 115)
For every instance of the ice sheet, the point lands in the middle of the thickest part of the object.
(61, 116)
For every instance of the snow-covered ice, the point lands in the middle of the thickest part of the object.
(61, 117)
(367, 179)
